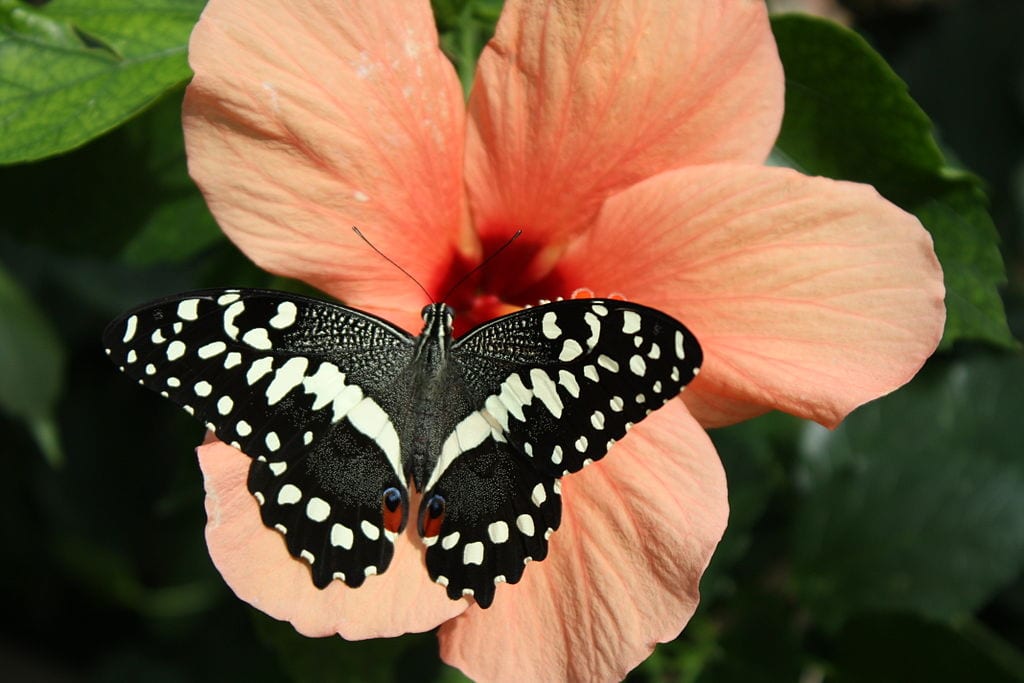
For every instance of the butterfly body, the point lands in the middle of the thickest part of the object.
(345, 414)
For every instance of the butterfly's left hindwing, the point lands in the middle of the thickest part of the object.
(305, 388)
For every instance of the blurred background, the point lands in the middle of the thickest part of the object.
(888, 550)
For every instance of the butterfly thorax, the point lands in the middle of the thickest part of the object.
(432, 409)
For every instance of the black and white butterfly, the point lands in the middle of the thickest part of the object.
(342, 412)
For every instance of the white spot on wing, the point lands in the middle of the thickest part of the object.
(287, 377)
(289, 494)
(175, 350)
(257, 338)
(212, 349)
(473, 553)
(273, 443)
(225, 404)
(188, 309)
(568, 381)
(130, 327)
(259, 368)
(450, 541)
(549, 325)
(571, 350)
(342, 536)
(230, 313)
(369, 530)
(595, 329)
(318, 509)
(630, 322)
(498, 531)
(538, 495)
(525, 525)
(545, 390)
(286, 314)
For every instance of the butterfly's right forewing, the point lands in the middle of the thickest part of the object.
(304, 387)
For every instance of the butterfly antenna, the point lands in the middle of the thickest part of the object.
(392, 262)
(483, 263)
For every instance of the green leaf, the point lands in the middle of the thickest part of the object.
(74, 69)
(848, 116)
(752, 455)
(31, 366)
(149, 211)
(176, 230)
(897, 648)
(465, 26)
(916, 503)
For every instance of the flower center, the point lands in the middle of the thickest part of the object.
(483, 306)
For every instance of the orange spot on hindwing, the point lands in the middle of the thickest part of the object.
(431, 516)
(392, 507)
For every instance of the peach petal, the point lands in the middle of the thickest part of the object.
(576, 100)
(306, 119)
(808, 295)
(256, 565)
(638, 530)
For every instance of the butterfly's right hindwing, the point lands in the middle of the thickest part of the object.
(499, 513)
(285, 379)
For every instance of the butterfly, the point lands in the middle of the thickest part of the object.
(342, 413)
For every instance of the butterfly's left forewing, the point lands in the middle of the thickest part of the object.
(304, 387)
(554, 387)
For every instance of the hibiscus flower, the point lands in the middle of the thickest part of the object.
(627, 141)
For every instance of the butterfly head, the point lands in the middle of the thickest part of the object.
(437, 320)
